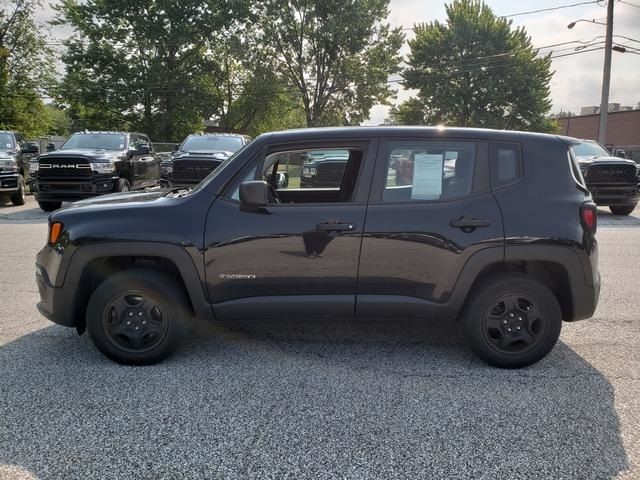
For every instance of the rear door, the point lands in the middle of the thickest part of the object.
(430, 210)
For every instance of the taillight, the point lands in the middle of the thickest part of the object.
(589, 217)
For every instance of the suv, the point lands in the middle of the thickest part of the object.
(91, 164)
(503, 239)
(198, 155)
(613, 181)
(15, 154)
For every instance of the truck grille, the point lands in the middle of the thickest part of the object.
(331, 173)
(611, 174)
(65, 168)
(193, 170)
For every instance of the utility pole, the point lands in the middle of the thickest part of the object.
(606, 76)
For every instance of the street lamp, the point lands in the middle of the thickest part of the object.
(573, 24)
(606, 74)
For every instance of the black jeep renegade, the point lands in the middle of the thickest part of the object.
(494, 228)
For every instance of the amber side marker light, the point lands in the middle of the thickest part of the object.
(54, 232)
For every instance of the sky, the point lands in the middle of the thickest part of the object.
(577, 81)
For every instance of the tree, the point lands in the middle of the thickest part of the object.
(475, 70)
(145, 65)
(336, 55)
(25, 65)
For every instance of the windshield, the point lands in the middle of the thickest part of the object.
(589, 149)
(6, 141)
(211, 143)
(99, 141)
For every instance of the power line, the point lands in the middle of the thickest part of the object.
(629, 3)
(559, 7)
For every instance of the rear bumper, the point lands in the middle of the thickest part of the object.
(71, 190)
(615, 195)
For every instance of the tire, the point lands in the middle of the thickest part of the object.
(122, 186)
(512, 320)
(49, 206)
(20, 197)
(622, 210)
(138, 317)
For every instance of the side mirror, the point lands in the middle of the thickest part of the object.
(253, 195)
(51, 147)
(144, 149)
(176, 147)
(32, 147)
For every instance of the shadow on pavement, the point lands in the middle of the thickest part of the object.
(303, 400)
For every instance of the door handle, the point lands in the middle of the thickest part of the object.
(468, 223)
(336, 227)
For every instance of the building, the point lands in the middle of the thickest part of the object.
(623, 127)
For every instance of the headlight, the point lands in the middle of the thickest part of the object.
(305, 170)
(166, 168)
(103, 167)
(312, 170)
(8, 165)
(33, 166)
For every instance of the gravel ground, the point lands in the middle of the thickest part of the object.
(305, 400)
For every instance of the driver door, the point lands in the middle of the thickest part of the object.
(297, 257)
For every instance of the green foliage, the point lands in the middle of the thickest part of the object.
(475, 70)
(145, 65)
(25, 65)
(59, 121)
(336, 55)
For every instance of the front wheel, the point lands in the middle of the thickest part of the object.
(622, 210)
(138, 317)
(122, 185)
(49, 206)
(20, 197)
(512, 321)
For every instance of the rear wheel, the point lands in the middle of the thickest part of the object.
(49, 206)
(122, 185)
(20, 197)
(138, 317)
(622, 210)
(512, 321)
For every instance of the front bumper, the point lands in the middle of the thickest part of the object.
(71, 190)
(56, 304)
(615, 195)
(9, 183)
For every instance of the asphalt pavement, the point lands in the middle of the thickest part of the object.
(319, 400)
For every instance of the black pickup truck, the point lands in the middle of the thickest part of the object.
(614, 182)
(197, 156)
(15, 153)
(494, 228)
(91, 164)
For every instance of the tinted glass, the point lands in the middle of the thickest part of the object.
(589, 149)
(421, 171)
(100, 141)
(212, 143)
(506, 165)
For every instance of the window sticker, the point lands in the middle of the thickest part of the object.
(427, 176)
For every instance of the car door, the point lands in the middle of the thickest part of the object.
(136, 164)
(430, 210)
(152, 163)
(297, 258)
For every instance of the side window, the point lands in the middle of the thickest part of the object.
(19, 141)
(134, 142)
(428, 171)
(145, 139)
(506, 163)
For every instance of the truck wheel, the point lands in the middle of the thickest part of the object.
(512, 321)
(20, 197)
(622, 210)
(122, 185)
(49, 206)
(138, 317)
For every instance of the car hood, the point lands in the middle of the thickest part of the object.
(608, 160)
(99, 154)
(214, 155)
(322, 161)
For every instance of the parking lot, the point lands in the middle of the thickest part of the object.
(328, 400)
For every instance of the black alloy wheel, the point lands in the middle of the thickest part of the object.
(513, 324)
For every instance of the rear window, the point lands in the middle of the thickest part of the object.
(575, 169)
